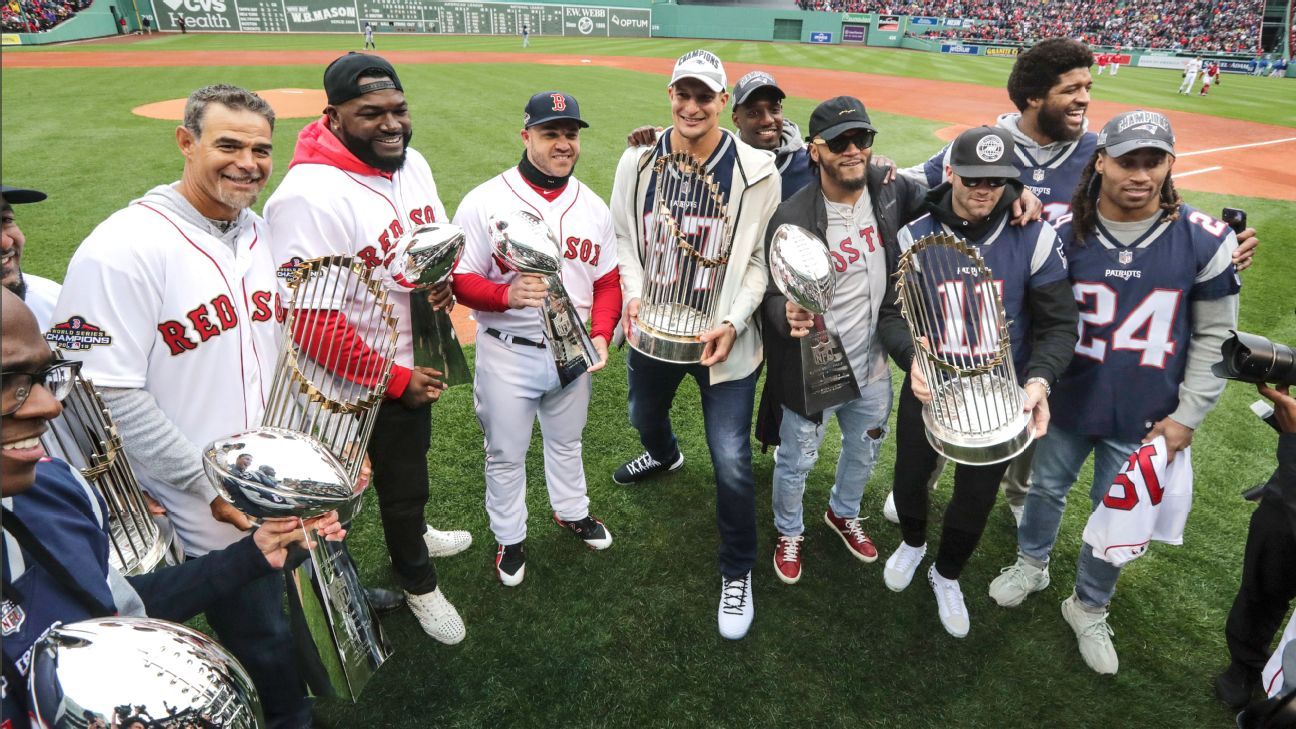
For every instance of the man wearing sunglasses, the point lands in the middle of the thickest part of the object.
(1025, 261)
(849, 206)
(54, 553)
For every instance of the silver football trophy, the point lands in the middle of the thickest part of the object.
(953, 307)
(801, 269)
(525, 244)
(324, 391)
(425, 257)
(684, 261)
(86, 438)
(115, 672)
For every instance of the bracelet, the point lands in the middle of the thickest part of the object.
(1048, 389)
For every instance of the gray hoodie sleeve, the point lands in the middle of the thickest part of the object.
(1201, 389)
(154, 444)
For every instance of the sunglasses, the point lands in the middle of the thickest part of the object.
(994, 183)
(17, 386)
(838, 144)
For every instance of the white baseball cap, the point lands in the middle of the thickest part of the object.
(702, 65)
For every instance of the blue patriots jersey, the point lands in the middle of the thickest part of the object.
(1136, 320)
(1053, 180)
(1020, 258)
(794, 169)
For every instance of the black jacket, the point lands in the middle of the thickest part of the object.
(894, 205)
(1282, 485)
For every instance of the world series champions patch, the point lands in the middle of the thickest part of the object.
(76, 334)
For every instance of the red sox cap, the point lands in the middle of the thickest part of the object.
(548, 106)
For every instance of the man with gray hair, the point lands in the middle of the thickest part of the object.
(171, 305)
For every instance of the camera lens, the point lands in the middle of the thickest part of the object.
(1252, 358)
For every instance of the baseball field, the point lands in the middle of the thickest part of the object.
(627, 637)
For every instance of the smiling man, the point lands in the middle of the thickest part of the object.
(40, 294)
(516, 379)
(354, 187)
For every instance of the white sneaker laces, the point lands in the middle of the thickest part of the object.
(953, 596)
(907, 557)
(1017, 577)
(791, 548)
(734, 595)
(644, 462)
(1099, 630)
(855, 528)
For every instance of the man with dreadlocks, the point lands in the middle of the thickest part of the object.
(1158, 293)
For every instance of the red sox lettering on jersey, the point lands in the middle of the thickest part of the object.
(1149, 499)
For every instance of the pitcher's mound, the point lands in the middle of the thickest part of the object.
(287, 103)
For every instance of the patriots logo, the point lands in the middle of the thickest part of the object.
(1149, 128)
(1125, 257)
(76, 333)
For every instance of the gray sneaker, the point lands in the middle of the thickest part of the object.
(1093, 635)
(1015, 583)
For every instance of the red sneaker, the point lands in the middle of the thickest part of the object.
(787, 559)
(852, 533)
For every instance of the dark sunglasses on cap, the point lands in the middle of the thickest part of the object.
(994, 183)
(863, 140)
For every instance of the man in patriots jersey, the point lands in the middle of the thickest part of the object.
(1158, 293)
(730, 365)
(1031, 277)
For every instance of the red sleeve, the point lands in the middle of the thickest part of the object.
(327, 337)
(478, 294)
(607, 305)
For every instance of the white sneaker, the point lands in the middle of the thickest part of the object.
(1016, 582)
(1017, 511)
(445, 544)
(736, 607)
(437, 616)
(1093, 635)
(949, 603)
(888, 509)
(900, 566)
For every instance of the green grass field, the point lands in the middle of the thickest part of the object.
(627, 637)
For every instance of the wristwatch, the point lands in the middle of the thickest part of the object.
(1048, 389)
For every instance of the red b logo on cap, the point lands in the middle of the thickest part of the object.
(559, 102)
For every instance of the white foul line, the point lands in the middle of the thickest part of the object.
(1236, 146)
(1197, 172)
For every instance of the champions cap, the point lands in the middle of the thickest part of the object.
(548, 106)
(342, 77)
(1136, 130)
(753, 82)
(703, 66)
(984, 152)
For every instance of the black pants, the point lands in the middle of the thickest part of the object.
(975, 491)
(1268, 586)
(398, 449)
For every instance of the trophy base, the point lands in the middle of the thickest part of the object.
(980, 449)
(665, 347)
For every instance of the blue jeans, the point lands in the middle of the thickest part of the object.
(1058, 459)
(727, 415)
(251, 623)
(801, 438)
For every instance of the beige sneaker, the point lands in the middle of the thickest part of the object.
(1015, 583)
(437, 616)
(445, 544)
(1093, 635)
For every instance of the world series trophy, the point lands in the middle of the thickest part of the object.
(425, 257)
(85, 437)
(950, 300)
(324, 393)
(684, 262)
(525, 244)
(803, 272)
(136, 671)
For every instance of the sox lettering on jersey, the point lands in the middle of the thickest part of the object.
(392, 233)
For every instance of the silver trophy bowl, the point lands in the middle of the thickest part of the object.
(525, 242)
(308, 480)
(801, 269)
(423, 257)
(106, 672)
(982, 433)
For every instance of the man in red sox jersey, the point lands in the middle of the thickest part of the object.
(171, 304)
(516, 376)
(353, 188)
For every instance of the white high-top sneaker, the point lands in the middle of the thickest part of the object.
(736, 606)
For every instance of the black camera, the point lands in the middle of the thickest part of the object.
(1252, 358)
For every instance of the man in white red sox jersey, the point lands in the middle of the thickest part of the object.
(353, 188)
(172, 306)
(516, 375)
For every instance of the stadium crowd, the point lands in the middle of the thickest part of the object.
(34, 16)
(1229, 26)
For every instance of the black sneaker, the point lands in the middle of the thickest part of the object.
(510, 563)
(591, 530)
(1236, 685)
(645, 467)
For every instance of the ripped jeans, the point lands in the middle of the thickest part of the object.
(801, 438)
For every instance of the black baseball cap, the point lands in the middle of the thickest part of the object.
(752, 82)
(1133, 130)
(983, 152)
(837, 115)
(548, 106)
(17, 195)
(342, 77)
